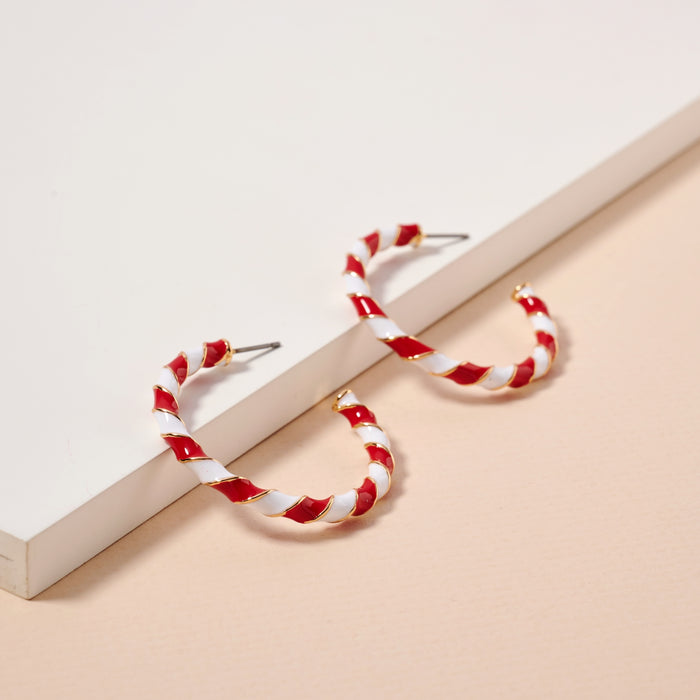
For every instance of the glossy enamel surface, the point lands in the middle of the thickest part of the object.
(492, 377)
(270, 502)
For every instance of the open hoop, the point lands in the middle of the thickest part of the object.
(411, 349)
(270, 502)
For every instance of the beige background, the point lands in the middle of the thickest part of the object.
(536, 544)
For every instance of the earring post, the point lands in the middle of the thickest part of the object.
(447, 235)
(251, 348)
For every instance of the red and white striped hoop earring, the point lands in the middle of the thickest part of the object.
(409, 348)
(301, 509)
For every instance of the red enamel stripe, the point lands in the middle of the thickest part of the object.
(354, 265)
(548, 341)
(372, 242)
(308, 509)
(467, 373)
(184, 447)
(179, 368)
(366, 306)
(164, 400)
(377, 453)
(366, 496)
(532, 305)
(215, 351)
(238, 490)
(408, 347)
(523, 373)
(407, 232)
(358, 414)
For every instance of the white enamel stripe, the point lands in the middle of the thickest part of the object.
(543, 323)
(384, 328)
(370, 433)
(194, 359)
(167, 380)
(379, 473)
(361, 251)
(498, 377)
(341, 507)
(209, 470)
(168, 424)
(274, 503)
(542, 360)
(356, 285)
(387, 236)
(437, 363)
(348, 398)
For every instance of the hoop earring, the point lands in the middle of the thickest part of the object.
(411, 349)
(270, 502)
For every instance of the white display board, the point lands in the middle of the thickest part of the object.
(175, 172)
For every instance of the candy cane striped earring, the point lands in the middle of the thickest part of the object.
(270, 502)
(427, 358)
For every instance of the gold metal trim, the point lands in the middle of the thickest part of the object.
(447, 373)
(252, 499)
(415, 242)
(419, 356)
(385, 448)
(167, 391)
(369, 250)
(366, 425)
(532, 376)
(233, 477)
(165, 410)
(502, 386)
(197, 459)
(164, 435)
(172, 371)
(204, 356)
(481, 379)
(362, 265)
(351, 405)
(512, 377)
(284, 512)
(486, 374)
(388, 474)
(228, 355)
(392, 338)
(322, 513)
(514, 294)
(187, 363)
(345, 392)
(350, 514)
(550, 360)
